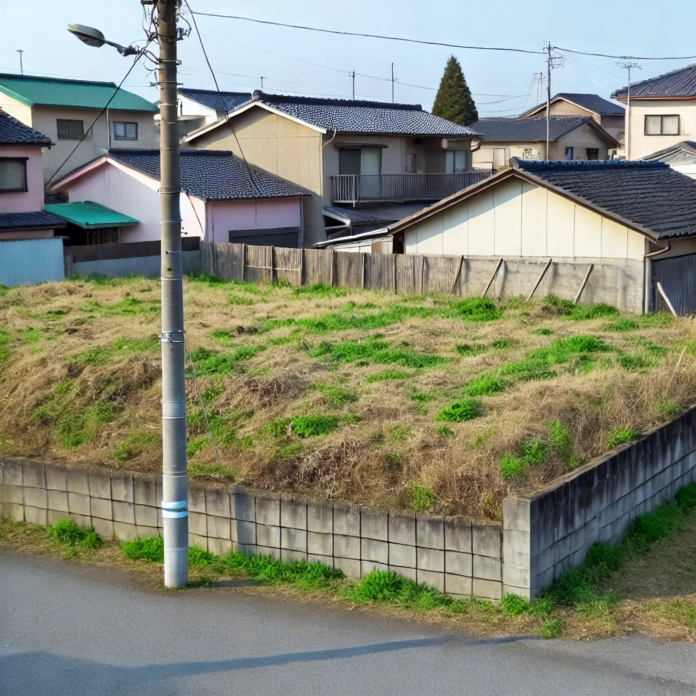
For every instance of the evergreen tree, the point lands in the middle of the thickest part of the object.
(454, 101)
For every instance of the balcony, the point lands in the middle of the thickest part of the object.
(383, 188)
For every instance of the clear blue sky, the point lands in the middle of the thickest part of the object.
(619, 27)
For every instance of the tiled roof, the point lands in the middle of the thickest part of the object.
(357, 116)
(214, 175)
(382, 215)
(683, 152)
(14, 132)
(211, 98)
(80, 94)
(527, 129)
(651, 195)
(40, 218)
(678, 83)
(591, 102)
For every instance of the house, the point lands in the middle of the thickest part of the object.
(65, 109)
(570, 138)
(662, 111)
(222, 200)
(348, 153)
(609, 115)
(22, 214)
(201, 107)
(634, 221)
(681, 157)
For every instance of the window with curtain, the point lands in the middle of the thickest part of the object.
(662, 125)
(570, 153)
(13, 175)
(357, 161)
(70, 130)
(125, 131)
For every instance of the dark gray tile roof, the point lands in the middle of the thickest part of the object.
(14, 132)
(357, 116)
(214, 175)
(678, 83)
(383, 214)
(591, 102)
(211, 98)
(683, 152)
(527, 129)
(649, 194)
(18, 221)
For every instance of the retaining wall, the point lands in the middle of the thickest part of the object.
(452, 554)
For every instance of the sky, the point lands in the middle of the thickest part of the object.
(294, 61)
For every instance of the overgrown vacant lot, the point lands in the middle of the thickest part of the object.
(432, 403)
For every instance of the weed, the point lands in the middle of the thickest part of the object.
(93, 356)
(566, 308)
(561, 439)
(224, 337)
(319, 290)
(620, 435)
(542, 332)
(388, 375)
(503, 343)
(292, 450)
(460, 411)
(514, 605)
(304, 426)
(399, 433)
(214, 363)
(239, 300)
(132, 447)
(337, 395)
(622, 324)
(476, 309)
(74, 429)
(668, 409)
(467, 349)
(134, 345)
(551, 628)
(195, 446)
(423, 397)
(444, 431)
(655, 320)
(67, 532)
(512, 467)
(376, 351)
(144, 549)
(422, 498)
(535, 452)
(486, 385)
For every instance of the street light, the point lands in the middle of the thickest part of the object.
(174, 468)
(93, 37)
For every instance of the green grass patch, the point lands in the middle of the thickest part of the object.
(388, 375)
(512, 466)
(503, 343)
(535, 452)
(226, 338)
(134, 446)
(144, 549)
(209, 362)
(467, 349)
(398, 433)
(319, 290)
(422, 499)
(375, 351)
(134, 345)
(561, 439)
(622, 324)
(304, 426)
(338, 396)
(542, 331)
(240, 300)
(488, 384)
(292, 450)
(460, 411)
(93, 356)
(620, 435)
(566, 308)
(74, 429)
(68, 533)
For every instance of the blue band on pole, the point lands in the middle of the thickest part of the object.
(175, 505)
(171, 515)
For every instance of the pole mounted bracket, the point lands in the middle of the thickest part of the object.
(172, 336)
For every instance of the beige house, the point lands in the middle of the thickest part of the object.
(64, 110)
(347, 153)
(570, 138)
(201, 107)
(634, 221)
(609, 115)
(662, 111)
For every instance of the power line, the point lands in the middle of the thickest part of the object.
(607, 55)
(101, 113)
(369, 36)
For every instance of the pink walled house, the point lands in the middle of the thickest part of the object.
(223, 199)
(21, 182)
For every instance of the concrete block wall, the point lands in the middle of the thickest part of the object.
(452, 554)
(547, 534)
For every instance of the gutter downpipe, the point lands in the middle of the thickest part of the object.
(648, 274)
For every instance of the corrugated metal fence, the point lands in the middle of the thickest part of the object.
(28, 261)
(677, 277)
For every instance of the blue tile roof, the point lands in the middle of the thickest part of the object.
(677, 83)
(14, 132)
(18, 221)
(211, 98)
(649, 194)
(368, 117)
(214, 175)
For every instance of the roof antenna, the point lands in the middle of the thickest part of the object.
(21, 64)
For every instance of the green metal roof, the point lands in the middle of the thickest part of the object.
(79, 94)
(89, 215)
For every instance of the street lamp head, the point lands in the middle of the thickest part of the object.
(93, 37)
(88, 35)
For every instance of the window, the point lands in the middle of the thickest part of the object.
(455, 161)
(13, 175)
(125, 131)
(498, 157)
(359, 161)
(662, 125)
(592, 153)
(570, 153)
(70, 130)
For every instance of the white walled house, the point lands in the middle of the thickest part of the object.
(223, 200)
(638, 218)
(201, 107)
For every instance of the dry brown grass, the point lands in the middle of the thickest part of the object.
(81, 347)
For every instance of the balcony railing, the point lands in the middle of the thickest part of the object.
(366, 188)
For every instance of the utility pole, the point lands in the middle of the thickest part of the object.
(392, 83)
(551, 63)
(174, 472)
(627, 127)
(352, 75)
(21, 63)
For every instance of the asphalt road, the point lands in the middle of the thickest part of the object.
(65, 629)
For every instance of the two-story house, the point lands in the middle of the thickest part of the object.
(65, 109)
(570, 138)
(201, 107)
(349, 153)
(22, 214)
(610, 115)
(662, 111)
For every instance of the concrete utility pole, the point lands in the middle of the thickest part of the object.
(174, 472)
(551, 63)
(627, 118)
(392, 82)
(352, 75)
(21, 63)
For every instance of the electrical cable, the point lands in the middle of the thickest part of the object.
(368, 36)
(222, 99)
(101, 113)
(607, 55)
